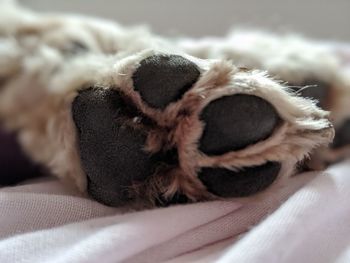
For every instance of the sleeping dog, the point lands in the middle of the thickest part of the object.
(133, 120)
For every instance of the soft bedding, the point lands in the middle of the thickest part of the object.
(306, 220)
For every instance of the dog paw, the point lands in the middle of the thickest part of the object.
(173, 76)
(173, 129)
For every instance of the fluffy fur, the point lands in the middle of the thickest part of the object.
(291, 58)
(44, 62)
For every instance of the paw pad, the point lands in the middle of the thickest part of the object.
(234, 122)
(111, 148)
(162, 79)
(249, 180)
(209, 130)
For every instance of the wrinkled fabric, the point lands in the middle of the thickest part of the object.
(305, 220)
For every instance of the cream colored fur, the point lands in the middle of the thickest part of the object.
(41, 79)
(290, 57)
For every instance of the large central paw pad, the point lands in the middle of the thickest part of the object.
(111, 144)
(198, 133)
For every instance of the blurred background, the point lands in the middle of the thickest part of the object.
(322, 19)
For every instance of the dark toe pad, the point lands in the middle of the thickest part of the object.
(234, 122)
(111, 150)
(162, 79)
(227, 183)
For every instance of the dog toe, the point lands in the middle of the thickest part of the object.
(249, 180)
(234, 122)
(162, 79)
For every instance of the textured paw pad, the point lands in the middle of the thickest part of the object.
(111, 148)
(162, 79)
(235, 122)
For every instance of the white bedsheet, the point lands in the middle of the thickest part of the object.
(43, 221)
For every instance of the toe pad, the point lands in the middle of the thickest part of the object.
(226, 183)
(234, 122)
(162, 79)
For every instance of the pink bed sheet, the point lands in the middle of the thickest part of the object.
(305, 220)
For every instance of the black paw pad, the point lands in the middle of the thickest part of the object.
(234, 122)
(111, 149)
(342, 135)
(162, 79)
(250, 180)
